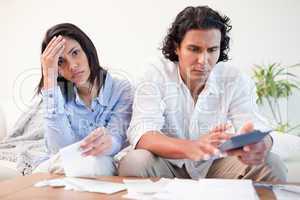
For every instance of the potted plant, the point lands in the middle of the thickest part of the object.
(273, 83)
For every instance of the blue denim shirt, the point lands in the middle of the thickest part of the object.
(69, 122)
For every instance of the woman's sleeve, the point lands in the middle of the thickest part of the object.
(58, 132)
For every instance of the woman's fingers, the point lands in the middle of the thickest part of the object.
(49, 44)
(57, 48)
(92, 137)
(52, 45)
(99, 146)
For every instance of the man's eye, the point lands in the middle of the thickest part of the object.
(193, 49)
(213, 49)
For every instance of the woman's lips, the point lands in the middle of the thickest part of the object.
(77, 74)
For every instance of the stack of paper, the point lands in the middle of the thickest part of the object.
(144, 189)
(282, 192)
(186, 189)
(83, 185)
(164, 189)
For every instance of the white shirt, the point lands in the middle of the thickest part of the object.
(163, 103)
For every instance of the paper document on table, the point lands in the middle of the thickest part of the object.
(218, 189)
(144, 189)
(83, 185)
(212, 189)
(187, 189)
(76, 165)
(282, 192)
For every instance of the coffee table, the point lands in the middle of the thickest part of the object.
(22, 188)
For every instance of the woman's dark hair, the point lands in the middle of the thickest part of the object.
(201, 17)
(71, 31)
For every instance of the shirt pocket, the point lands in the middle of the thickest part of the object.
(208, 113)
(104, 116)
(171, 99)
(208, 104)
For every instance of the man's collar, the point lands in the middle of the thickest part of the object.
(211, 85)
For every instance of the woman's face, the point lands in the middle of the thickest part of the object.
(73, 64)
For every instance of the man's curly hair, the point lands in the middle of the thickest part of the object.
(201, 17)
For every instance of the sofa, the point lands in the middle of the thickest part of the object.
(285, 145)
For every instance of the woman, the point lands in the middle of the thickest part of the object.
(81, 101)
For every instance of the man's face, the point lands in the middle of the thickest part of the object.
(198, 53)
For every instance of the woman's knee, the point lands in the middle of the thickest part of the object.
(104, 166)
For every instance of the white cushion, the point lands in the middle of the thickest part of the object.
(2, 124)
(286, 146)
(8, 170)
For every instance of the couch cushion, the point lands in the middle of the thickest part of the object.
(2, 124)
(7, 170)
(286, 146)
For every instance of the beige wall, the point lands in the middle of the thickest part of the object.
(128, 33)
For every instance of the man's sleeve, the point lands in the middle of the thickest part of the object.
(243, 106)
(148, 109)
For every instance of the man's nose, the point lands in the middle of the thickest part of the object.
(203, 58)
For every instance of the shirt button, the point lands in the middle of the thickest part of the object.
(54, 112)
(93, 110)
(91, 124)
(50, 95)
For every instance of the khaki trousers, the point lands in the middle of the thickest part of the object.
(142, 163)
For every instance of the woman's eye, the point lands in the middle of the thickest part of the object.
(60, 62)
(75, 52)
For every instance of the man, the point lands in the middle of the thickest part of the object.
(189, 102)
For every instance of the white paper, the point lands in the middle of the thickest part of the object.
(76, 165)
(144, 189)
(218, 189)
(212, 189)
(285, 194)
(86, 185)
(52, 183)
(95, 185)
(187, 189)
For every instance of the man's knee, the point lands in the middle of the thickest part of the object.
(136, 163)
(279, 170)
(273, 170)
